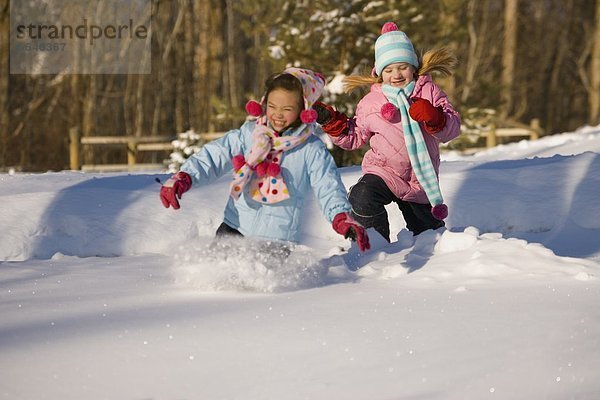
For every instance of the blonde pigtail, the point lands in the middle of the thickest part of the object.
(353, 82)
(441, 60)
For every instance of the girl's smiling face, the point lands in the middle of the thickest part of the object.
(398, 74)
(283, 108)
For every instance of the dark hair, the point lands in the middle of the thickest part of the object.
(286, 82)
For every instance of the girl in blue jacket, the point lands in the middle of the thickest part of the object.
(274, 160)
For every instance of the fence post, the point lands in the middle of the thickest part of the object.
(535, 129)
(491, 136)
(131, 152)
(74, 149)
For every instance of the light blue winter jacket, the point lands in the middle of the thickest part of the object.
(307, 166)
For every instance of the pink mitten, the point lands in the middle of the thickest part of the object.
(174, 188)
(345, 225)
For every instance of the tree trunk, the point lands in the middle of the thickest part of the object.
(89, 106)
(189, 56)
(180, 94)
(4, 79)
(207, 69)
(261, 70)
(449, 22)
(201, 87)
(140, 96)
(165, 71)
(139, 106)
(509, 51)
(233, 52)
(594, 96)
(476, 44)
(557, 111)
(75, 92)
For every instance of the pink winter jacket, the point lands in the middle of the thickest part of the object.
(388, 157)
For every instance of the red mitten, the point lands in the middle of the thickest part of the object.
(333, 122)
(324, 112)
(174, 188)
(421, 110)
(345, 225)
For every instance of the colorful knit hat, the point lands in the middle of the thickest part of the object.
(312, 85)
(393, 46)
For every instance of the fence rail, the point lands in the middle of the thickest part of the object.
(133, 144)
(533, 131)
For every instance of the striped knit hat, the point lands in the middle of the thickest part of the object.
(393, 46)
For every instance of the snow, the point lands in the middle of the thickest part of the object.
(336, 86)
(104, 294)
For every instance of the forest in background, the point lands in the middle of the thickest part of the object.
(521, 59)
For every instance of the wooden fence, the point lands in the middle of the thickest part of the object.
(137, 144)
(511, 129)
(133, 144)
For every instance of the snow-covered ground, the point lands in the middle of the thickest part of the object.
(104, 294)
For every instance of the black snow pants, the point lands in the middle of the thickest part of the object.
(370, 195)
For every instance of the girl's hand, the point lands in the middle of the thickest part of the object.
(345, 225)
(174, 188)
(421, 110)
(333, 122)
(324, 112)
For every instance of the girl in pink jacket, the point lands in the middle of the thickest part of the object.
(403, 118)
